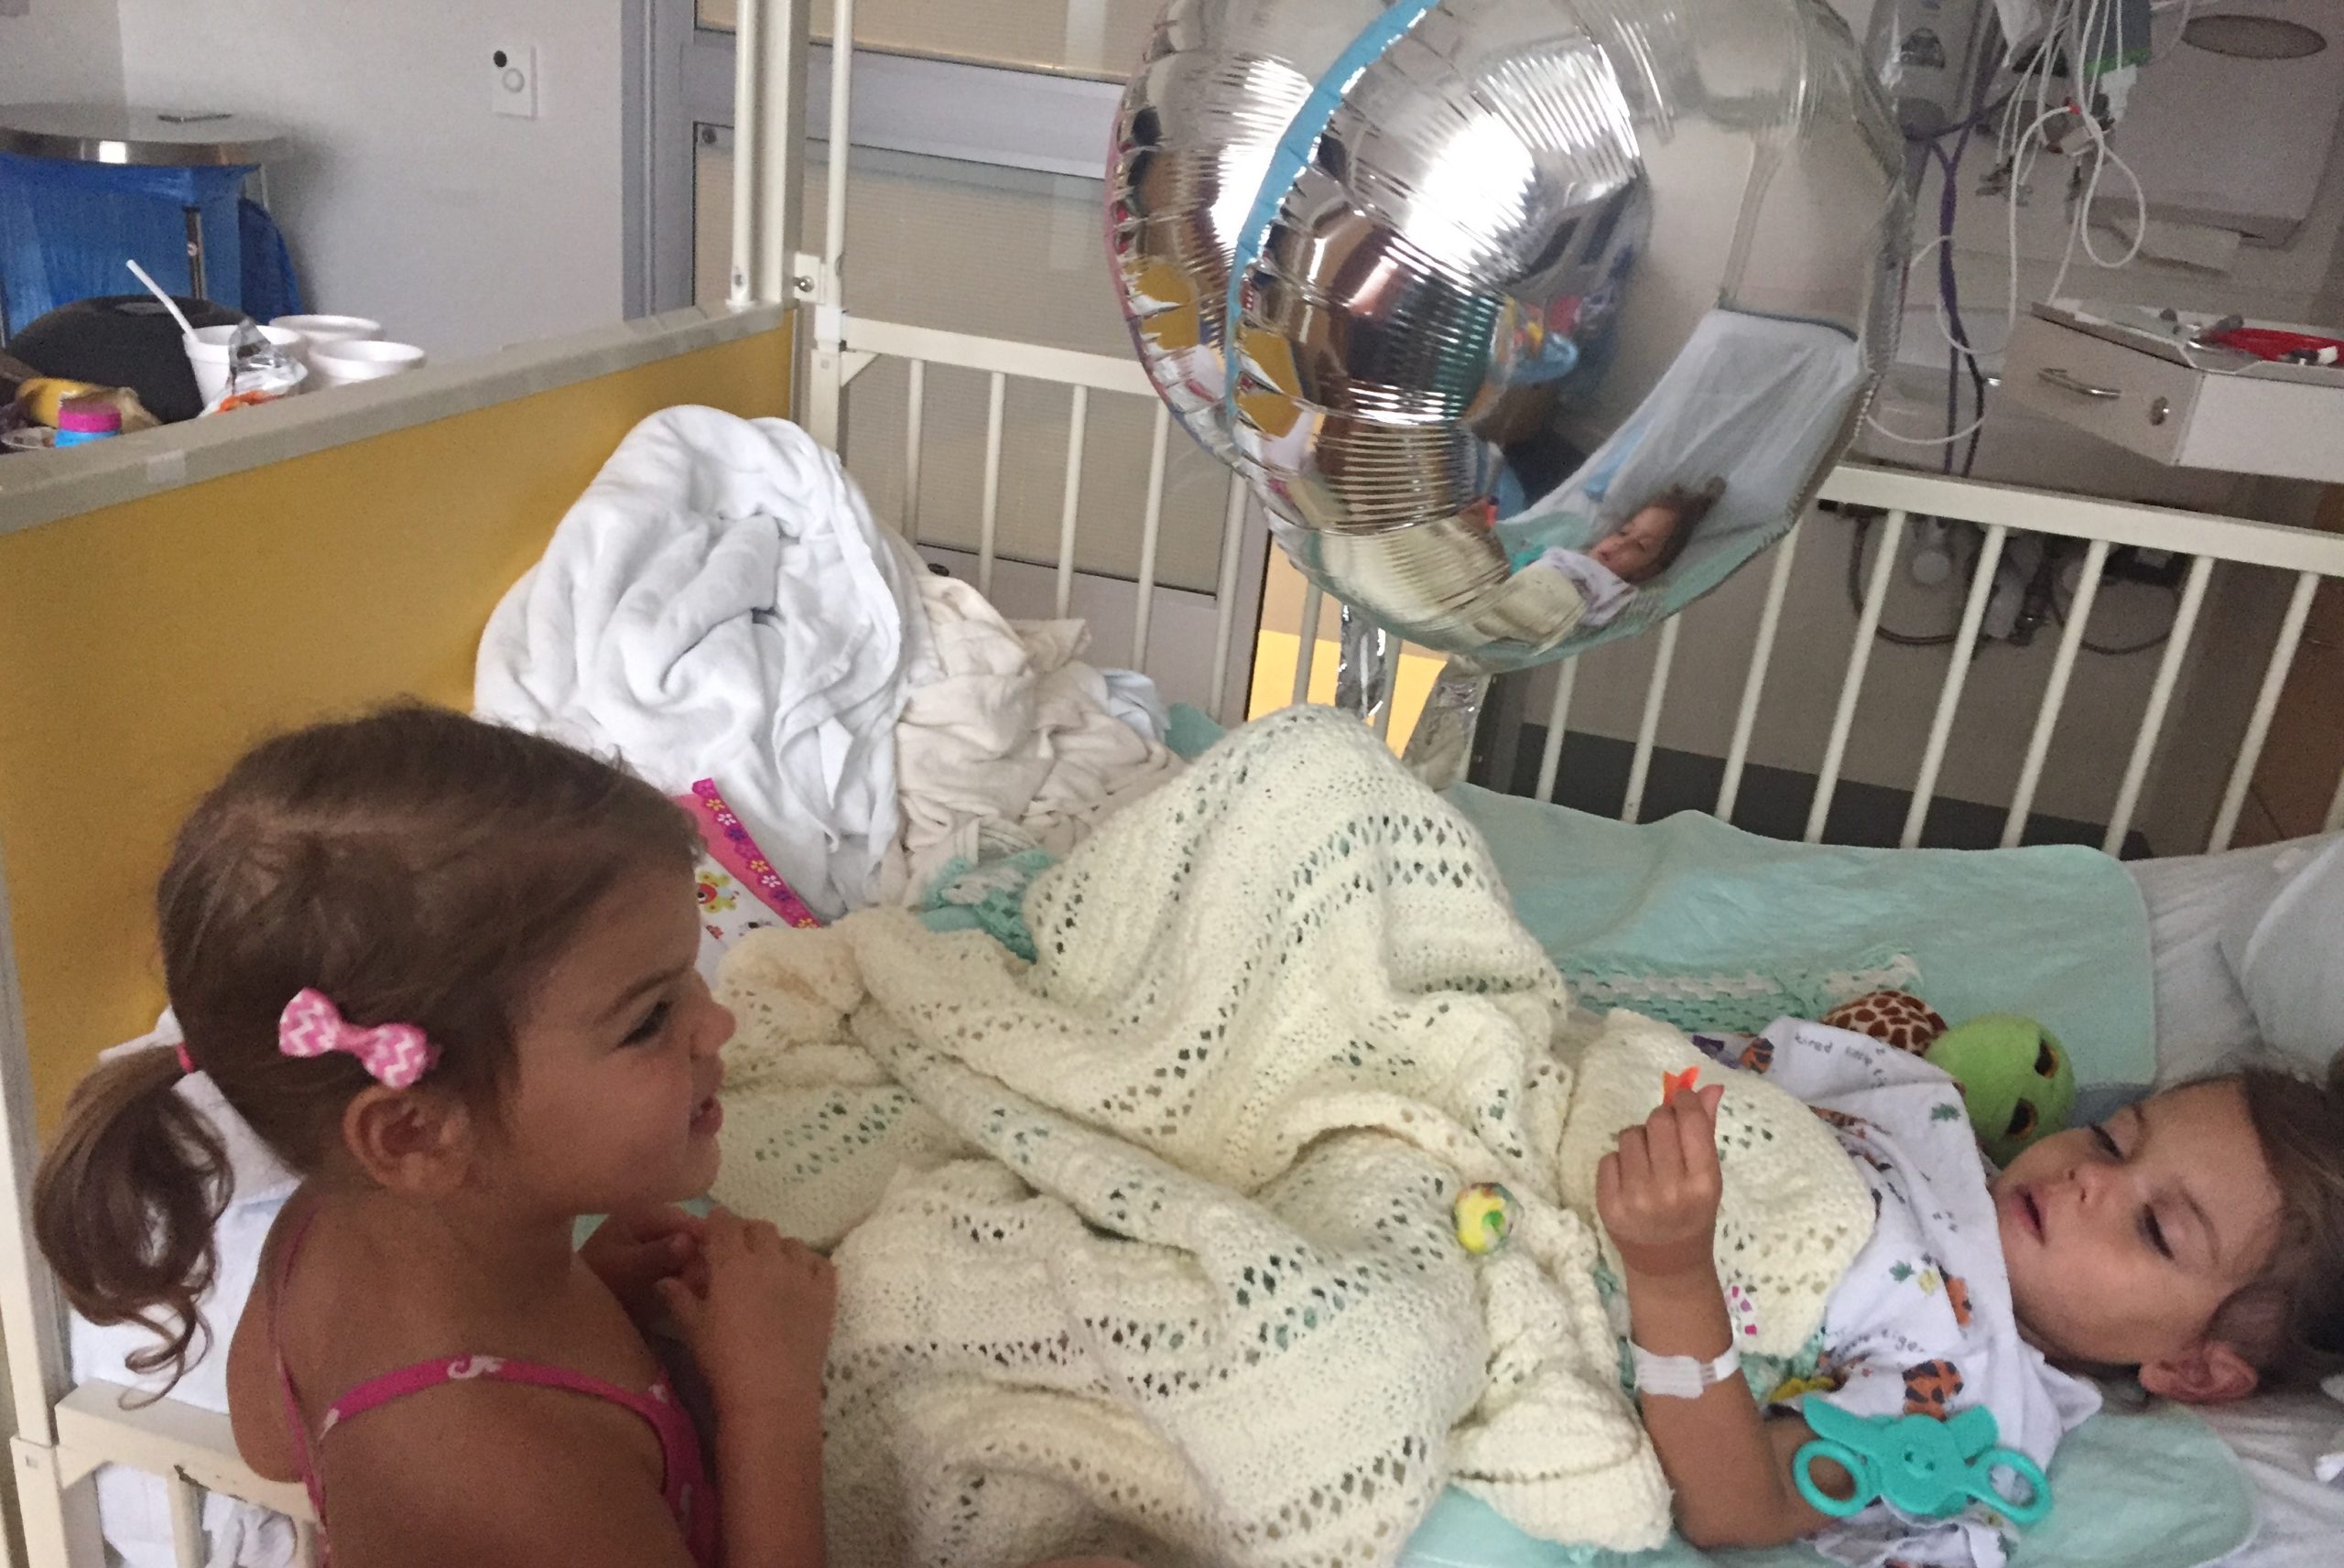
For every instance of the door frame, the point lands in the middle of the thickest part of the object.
(678, 81)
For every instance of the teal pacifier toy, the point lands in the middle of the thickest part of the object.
(1926, 1467)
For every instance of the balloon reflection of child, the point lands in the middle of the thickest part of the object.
(1609, 572)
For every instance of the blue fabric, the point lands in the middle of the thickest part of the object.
(1190, 733)
(271, 288)
(1526, 537)
(67, 228)
(967, 895)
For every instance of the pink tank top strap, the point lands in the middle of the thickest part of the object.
(653, 1407)
(684, 1484)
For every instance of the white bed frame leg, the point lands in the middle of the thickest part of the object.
(1558, 724)
(2266, 704)
(1306, 657)
(61, 1519)
(189, 1548)
(1754, 685)
(1851, 688)
(769, 93)
(1648, 727)
(820, 281)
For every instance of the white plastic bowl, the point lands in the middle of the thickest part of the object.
(317, 329)
(207, 353)
(344, 364)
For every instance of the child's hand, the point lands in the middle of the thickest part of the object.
(632, 1253)
(760, 1322)
(1657, 1193)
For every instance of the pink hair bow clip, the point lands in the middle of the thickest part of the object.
(395, 1055)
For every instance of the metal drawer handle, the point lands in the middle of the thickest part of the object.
(2060, 378)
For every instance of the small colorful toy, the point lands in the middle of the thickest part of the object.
(2015, 1080)
(2017, 1083)
(1484, 1218)
(1892, 1018)
(1922, 1465)
(1675, 1084)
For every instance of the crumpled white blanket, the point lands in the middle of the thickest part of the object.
(719, 604)
(1013, 743)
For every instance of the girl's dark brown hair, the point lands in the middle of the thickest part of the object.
(415, 865)
(1690, 504)
(2290, 1323)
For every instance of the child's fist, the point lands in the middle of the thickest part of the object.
(1659, 1192)
(759, 1323)
(632, 1253)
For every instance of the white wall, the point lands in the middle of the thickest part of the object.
(406, 199)
(61, 50)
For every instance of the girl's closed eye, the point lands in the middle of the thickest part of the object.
(2153, 1231)
(654, 1023)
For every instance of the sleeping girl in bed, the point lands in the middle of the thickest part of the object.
(446, 971)
(2195, 1239)
(1610, 571)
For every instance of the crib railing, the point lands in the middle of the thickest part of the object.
(193, 1451)
(2001, 512)
(2201, 539)
(1082, 375)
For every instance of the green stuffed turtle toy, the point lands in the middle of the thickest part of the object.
(2015, 1078)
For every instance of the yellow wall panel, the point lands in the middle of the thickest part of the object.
(144, 646)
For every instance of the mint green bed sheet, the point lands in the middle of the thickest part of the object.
(2058, 932)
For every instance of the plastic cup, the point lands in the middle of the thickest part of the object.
(207, 353)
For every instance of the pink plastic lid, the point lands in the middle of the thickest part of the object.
(88, 416)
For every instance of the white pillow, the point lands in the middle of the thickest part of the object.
(2286, 1443)
(2284, 951)
(2203, 1022)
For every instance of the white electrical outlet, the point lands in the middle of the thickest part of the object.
(513, 76)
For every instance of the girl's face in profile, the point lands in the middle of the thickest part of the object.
(1632, 552)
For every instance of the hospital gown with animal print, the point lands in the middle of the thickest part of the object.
(1923, 1322)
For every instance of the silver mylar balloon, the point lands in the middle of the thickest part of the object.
(1547, 314)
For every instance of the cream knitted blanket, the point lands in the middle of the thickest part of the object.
(1148, 1246)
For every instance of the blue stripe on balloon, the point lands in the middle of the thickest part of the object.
(1302, 133)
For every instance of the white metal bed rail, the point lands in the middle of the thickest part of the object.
(193, 1451)
(2101, 526)
(1001, 361)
